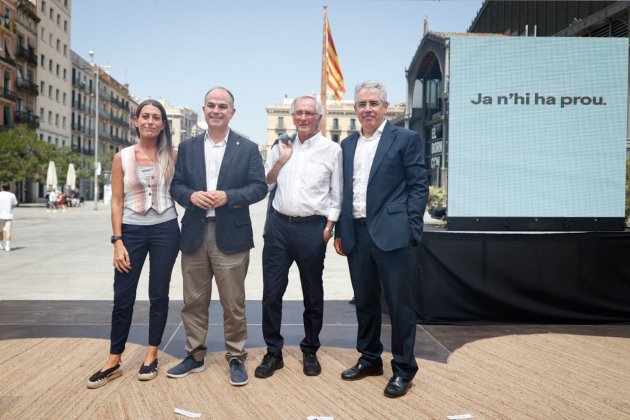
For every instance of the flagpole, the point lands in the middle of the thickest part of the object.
(322, 123)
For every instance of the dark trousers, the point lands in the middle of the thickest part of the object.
(286, 242)
(370, 267)
(161, 242)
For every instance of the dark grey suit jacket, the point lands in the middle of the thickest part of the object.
(397, 190)
(241, 176)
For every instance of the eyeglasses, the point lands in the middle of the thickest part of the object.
(222, 107)
(307, 114)
(372, 104)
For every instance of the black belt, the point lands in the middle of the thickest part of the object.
(298, 219)
(211, 219)
(362, 221)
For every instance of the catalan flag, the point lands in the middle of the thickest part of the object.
(331, 75)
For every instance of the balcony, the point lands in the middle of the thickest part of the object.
(28, 55)
(79, 85)
(119, 103)
(7, 58)
(28, 118)
(7, 94)
(27, 86)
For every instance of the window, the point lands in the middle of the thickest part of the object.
(65, 26)
(42, 88)
(64, 98)
(43, 35)
(57, 120)
(43, 60)
(65, 50)
(49, 91)
(51, 14)
(50, 66)
(353, 124)
(41, 114)
(335, 138)
(49, 120)
(58, 45)
(280, 122)
(58, 19)
(64, 74)
(335, 124)
(57, 95)
(57, 70)
(44, 6)
(63, 122)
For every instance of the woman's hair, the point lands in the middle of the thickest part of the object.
(164, 141)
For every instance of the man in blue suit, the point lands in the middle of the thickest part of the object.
(218, 175)
(385, 191)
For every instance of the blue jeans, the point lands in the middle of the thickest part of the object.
(161, 242)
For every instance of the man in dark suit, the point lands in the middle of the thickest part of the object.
(385, 191)
(218, 174)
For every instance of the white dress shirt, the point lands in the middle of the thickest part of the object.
(310, 183)
(363, 158)
(213, 153)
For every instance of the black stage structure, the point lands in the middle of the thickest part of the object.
(523, 277)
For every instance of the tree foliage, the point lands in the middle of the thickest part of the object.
(23, 156)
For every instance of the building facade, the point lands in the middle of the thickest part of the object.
(428, 72)
(181, 120)
(341, 120)
(54, 71)
(26, 68)
(8, 27)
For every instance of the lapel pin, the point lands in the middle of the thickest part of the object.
(238, 143)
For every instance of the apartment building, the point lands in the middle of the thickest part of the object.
(181, 120)
(8, 24)
(54, 72)
(341, 119)
(26, 64)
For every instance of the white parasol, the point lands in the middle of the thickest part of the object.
(51, 176)
(71, 177)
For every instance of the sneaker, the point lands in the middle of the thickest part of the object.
(101, 378)
(311, 364)
(238, 373)
(188, 365)
(148, 372)
(7, 248)
(269, 364)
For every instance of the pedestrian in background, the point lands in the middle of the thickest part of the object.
(385, 192)
(144, 221)
(219, 174)
(8, 201)
(306, 175)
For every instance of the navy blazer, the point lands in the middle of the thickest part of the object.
(397, 190)
(241, 176)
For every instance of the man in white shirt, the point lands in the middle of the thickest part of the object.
(306, 174)
(7, 202)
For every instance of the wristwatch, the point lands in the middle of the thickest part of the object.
(331, 230)
(116, 238)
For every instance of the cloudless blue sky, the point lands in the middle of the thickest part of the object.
(260, 50)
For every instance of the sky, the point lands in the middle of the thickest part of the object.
(261, 50)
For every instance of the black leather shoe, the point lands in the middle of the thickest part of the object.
(269, 364)
(360, 371)
(397, 387)
(311, 364)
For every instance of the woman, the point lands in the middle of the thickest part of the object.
(144, 221)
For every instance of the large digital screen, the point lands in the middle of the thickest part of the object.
(537, 127)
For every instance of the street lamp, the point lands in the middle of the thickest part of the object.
(95, 135)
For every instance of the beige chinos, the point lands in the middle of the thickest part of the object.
(229, 271)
